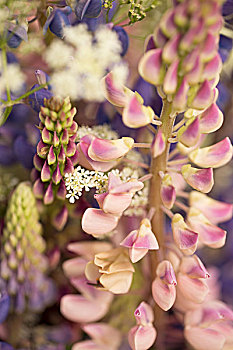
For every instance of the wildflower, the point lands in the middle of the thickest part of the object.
(140, 241)
(142, 336)
(89, 306)
(112, 269)
(82, 179)
(56, 151)
(123, 37)
(164, 285)
(57, 20)
(98, 222)
(103, 336)
(102, 155)
(23, 264)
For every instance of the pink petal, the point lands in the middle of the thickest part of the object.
(142, 337)
(209, 234)
(200, 179)
(137, 254)
(144, 314)
(212, 68)
(76, 308)
(167, 24)
(103, 333)
(193, 266)
(116, 203)
(203, 97)
(146, 238)
(151, 67)
(113, 181)
(166, 272)
(213, 156)
(88, 249)
(129, 241)
(131, 186)
(209, 47)
(180, 98)
(184, 238)
(135, 115)
(109, 150)
(190, 133)
(168, 195)
(171, 78)
(164, 295)
(88, 163)
(193, 289)
(214, 210)
(118, 282)
(96, 222)
(74, 267)
(204, 338)
(170, 50)
(114, 94)
(211, 119)
(158, 145)
(100, 198)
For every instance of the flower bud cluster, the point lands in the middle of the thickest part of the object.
(23, 264)
(183, 60)
(56, 151)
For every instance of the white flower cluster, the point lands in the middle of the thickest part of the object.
(81, 60)
(83, 179)
(102, 131)
(11, 77)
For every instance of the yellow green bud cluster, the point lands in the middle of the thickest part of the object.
(23, 264)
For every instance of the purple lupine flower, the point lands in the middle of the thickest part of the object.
(57, 21)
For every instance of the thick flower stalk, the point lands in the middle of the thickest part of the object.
(56, 152)
(23, 263)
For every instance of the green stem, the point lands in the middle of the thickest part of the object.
(159, 164)
(11, 103)
(4, 66)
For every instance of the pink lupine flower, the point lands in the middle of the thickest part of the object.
(142, 336)
(211, 119)
(90, 306)
(158, 145)
(164, 285)
(115, 94)
(200, 179)
(75, 267)
(190, 133)
(214, 210)
(119, 195)
(98, 222)
(192, 279)
(151, 67)
(100, 154)
(210, 326)
(213, 156)
(103, 337)
(134, 114)
(168, 192)
(209, 234)
(112, 269)
(185, 239)
(140, 241)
